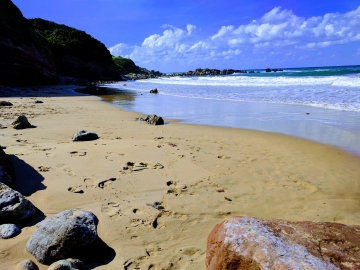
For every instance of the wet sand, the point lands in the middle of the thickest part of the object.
(199, 175)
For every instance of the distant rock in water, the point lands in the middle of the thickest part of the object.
(25, 56)
(84, 135)
(154, 91)
(153, 120)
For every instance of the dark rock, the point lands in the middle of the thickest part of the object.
(20, 122)
(268, 70)
(38, 101)
(26, 265)
(154, 91)
(63, 234)
(153, 120)
(5, 103)
(249, 243)
(7, 170)
(13, 206)
(69, 264)
(9, 231)
(84, 135)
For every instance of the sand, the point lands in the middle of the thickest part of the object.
(200, 175)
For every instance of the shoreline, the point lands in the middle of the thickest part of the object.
(264, 174)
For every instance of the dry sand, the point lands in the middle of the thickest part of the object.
(208, 174)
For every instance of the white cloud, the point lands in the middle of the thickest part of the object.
(279, 28)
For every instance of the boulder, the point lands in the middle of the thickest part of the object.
(9, 231)
(7, 171)
(69, 264)
(84, 135)
(5, 103)
(153, 120)
(13, 206)
(268, 70)
(154, 91)
(249, 243)
(26, 265)
(20, 122)
(63, 234)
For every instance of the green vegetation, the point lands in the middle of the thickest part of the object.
(125, 65)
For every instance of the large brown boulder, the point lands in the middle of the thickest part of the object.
(249, 243)
(7, 171)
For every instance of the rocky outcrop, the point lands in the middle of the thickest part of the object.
(249, 243)
(69, 264)
(9, 231)
(84, 135)
(61, 235)
(153, 120)
(20, 122)
(25, 57)
(14, 207)
(7, 170)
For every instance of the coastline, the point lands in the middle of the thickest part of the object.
(265, 175)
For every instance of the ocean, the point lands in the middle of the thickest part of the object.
(318, 103)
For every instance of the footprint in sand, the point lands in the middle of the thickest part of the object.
(176, 188)
(139, 166)
(44, 169)
(77, 154)
(223, 157)
(112, 210)
(89, 183)
(69, 171)
(106, 183)
(75, 190)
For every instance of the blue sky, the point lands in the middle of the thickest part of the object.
(243, 34)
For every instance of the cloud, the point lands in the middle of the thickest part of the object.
(278, 28)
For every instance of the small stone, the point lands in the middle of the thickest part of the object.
(9, 231)
(84, 135)
(38, 101)
(68, 264)
(20, 122)
(26, 265)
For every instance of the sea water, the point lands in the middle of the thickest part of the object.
(320, 103)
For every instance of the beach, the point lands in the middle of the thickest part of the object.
(198, 174)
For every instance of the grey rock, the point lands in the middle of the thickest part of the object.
(14, 206)
(20, 122)
(26, 265)
(69, 264)
(9, 231)
(61, 235)
(84, 135)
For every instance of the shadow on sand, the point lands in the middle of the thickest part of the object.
(28, 180)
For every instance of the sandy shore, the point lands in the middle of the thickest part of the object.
(208, 174)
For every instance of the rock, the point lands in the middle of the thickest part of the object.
(9, 231)
(26, 265)
(5, 103)
(38, 101)
(84, 135)
(69, 264)
(154, 91)
(7, 171)
(153, 120)
(61, 235)
(13, 206)
(20, 122)
(249, 243)
(268, 70)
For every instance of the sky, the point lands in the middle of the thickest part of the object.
(174, 36)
